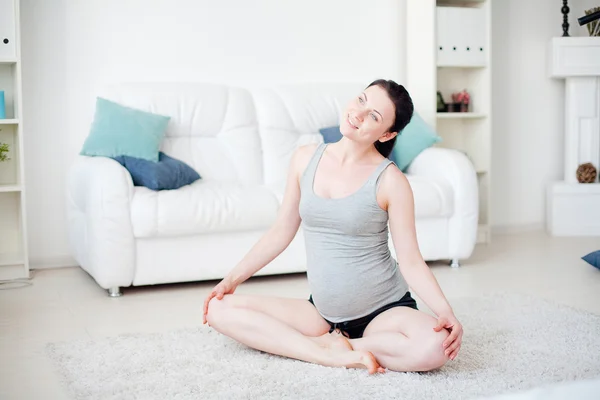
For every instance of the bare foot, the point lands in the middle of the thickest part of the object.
(333, 341)
(361, 359)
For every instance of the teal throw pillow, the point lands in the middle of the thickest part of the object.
(167, 174)
(414, 138)
(118, 130)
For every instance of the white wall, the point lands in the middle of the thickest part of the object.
(71, 48)
(528, 112)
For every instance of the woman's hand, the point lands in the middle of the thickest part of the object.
(454, 340)
(226, 286)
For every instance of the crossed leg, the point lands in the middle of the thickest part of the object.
(286, 327)
(402, 339)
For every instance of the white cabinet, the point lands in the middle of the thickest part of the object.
(7, 30)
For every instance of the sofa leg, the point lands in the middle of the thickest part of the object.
(114, 292)
(455, 263)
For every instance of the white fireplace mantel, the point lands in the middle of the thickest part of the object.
(574, 56)
(573, 208)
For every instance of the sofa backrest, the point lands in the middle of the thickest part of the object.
(245, 135)
(291, 115)
(213, 128)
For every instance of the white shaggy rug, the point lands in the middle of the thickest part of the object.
(511, 343)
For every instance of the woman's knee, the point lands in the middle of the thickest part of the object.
(433, 355)
(217, 310)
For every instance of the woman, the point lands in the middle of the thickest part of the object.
(360, 313)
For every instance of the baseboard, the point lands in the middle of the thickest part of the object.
(514, 229)
(52, 262)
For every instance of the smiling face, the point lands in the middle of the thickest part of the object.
(369, 117)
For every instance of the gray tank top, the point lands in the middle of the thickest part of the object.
(350, 269)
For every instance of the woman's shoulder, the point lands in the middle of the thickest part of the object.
(302, 156)
(394, 183)
(307, 150)
(304, 153)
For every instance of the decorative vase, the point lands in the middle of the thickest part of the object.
(453, 107)
(2, 105)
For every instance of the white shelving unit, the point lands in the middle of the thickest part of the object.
(14, 261)
(448, 46)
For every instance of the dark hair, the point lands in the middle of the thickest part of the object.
(404, 110)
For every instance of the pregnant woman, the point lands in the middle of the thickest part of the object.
(360, 313)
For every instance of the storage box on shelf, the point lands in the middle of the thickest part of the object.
(14, 261)
(455, 57)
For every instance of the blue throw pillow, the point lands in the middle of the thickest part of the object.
(166, 174)
(331, 134)
(414, 138)
(123, 131)
(593, 258)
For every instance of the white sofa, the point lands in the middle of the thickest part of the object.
(240, 140)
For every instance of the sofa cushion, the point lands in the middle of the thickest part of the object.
(202, 207)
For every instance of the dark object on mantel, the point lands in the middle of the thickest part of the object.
(586, 173)
(586, 19)
(590, 19)
(565, 11)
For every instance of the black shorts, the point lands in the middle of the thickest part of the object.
(354, 329)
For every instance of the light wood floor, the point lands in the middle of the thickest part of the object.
(66, 304)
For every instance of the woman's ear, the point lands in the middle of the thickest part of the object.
(388, 136)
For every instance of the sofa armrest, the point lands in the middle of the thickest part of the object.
(99, 192)
(455, 168)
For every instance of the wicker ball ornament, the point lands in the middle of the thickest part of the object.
(586, 173)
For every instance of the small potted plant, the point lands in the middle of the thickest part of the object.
(462, 99)
(4, 149)
(4, 152)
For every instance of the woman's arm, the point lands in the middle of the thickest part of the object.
(283, 231)
(398, 199)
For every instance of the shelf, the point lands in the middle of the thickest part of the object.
(7, 259)
(460, 115)
(8, 60)
(10, 188)
(9, 121)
